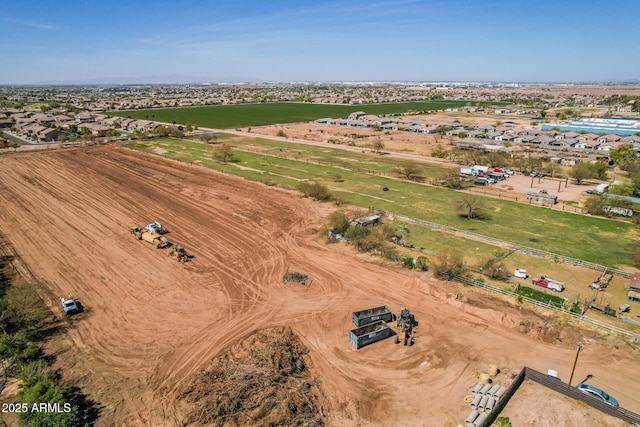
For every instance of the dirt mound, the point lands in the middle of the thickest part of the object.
(263, 380)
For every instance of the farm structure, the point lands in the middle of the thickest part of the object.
(541, 198)
(246, 237)
(634, 288)
(368, 221)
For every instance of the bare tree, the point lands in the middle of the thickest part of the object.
(409, 170)
(377, 145)
(448, 263)
(222, 153)
(453, 180)
(471, 207)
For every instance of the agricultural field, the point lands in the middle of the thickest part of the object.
(243, 115)
(358, 178)
(156, 336)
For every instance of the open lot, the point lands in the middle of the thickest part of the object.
(364, 174)
(537, 405)
(152, 325)
(241, 115)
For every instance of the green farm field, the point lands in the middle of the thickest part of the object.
(358, 179)
(243, 115)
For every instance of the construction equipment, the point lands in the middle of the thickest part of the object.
(179, 254)
(157, 241)
(155, 227)
(405, 321)
(404, 336)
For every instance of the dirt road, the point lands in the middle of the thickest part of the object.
(151, 324)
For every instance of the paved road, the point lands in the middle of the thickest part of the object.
(12, 137)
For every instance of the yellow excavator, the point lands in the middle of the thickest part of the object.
(405, 321)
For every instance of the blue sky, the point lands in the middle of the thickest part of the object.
(274, 40)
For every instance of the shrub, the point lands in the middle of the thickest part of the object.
(449, 263)
(338, 221)
(314, 190)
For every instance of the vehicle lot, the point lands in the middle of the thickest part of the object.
(153, 324)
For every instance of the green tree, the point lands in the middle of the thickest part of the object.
(622, 189)
(338, 221)
(625, 156)
(581, 172)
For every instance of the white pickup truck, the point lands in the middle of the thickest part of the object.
(69, 305)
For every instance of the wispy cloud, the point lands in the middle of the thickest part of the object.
(30, 24)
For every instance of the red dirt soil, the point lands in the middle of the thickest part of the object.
(152, 325)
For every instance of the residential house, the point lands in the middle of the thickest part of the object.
(543, 140)
(83, 117)
(604, 139)
(524, 139)
(588, 144)
(49, 134)
(608, 146)
(630, 139)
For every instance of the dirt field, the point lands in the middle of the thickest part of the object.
(551, 409)
(152, 326)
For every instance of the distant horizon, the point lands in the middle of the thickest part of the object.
(65, 43)
(135, 82)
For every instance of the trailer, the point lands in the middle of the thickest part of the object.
(602, 307)
(634, 294)
(370, 315)
(369, 334)
(557, 285)
(545, 283)
(468, 171)
(480, 168)
(602, 282)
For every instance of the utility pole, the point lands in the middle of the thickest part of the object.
(575, 361)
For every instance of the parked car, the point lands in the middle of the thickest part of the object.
(597, 393)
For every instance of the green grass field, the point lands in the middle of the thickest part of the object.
(243, 115)
(583, 237)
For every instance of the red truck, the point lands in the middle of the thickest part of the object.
(547, 282)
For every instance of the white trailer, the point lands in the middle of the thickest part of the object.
(468, 171)
(554, 284)
(480, 168)
(520, 273)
